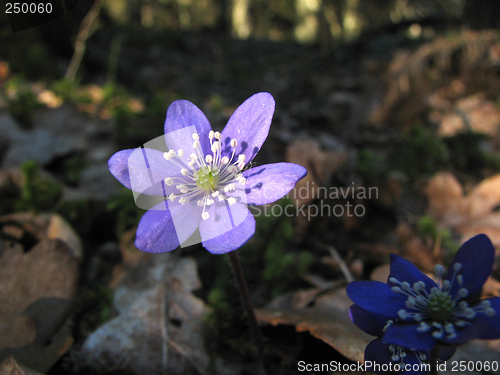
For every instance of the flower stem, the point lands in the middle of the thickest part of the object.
(434, 360)
(247, 302)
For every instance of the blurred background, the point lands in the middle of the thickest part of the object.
(393, 106)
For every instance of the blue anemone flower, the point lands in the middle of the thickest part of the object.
(420, 313)
(384, 359)
(201, 180)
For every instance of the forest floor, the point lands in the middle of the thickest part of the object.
(401, 139)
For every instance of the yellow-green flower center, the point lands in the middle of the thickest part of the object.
(440, 305)
(207, 178)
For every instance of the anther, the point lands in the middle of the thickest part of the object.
(196, 137)
(204, 215)
(403, 314)
(215, 147)
(439, 270)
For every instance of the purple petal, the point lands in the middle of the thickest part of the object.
(404, 270)
(368, 322)
(407, 336)
(164, 227)
(233, 235)
(184, 119)
(249, 125)
(476, 256)
(376, 297)
(270, 182)
(141, 170)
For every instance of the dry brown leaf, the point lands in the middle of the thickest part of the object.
(328, 321)
(320, 166)
(468, 215)
(471, 113)
(159, 326)
(9, 366)
(38, 280)
(474, 352)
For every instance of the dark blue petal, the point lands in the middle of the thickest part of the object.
(368, 322)
(480, 327)
(446, 352)
(377, 353)
(476, 257)
(184, 119)
(376, 297)
(270, 182)
(404, 270)
(407, 336)
(249, 125)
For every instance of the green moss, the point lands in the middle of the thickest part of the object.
(125, 211)
(469, 155)
(93, 307)
(427, 227)
(419, 153)
(21, 101)
(37, 193)
(282, 268)
(371, 163)
(66, 89)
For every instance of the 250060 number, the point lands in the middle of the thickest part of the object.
(17, 8)
(474, 366)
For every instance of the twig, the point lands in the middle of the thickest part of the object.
(335, 255)
(87, 28)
